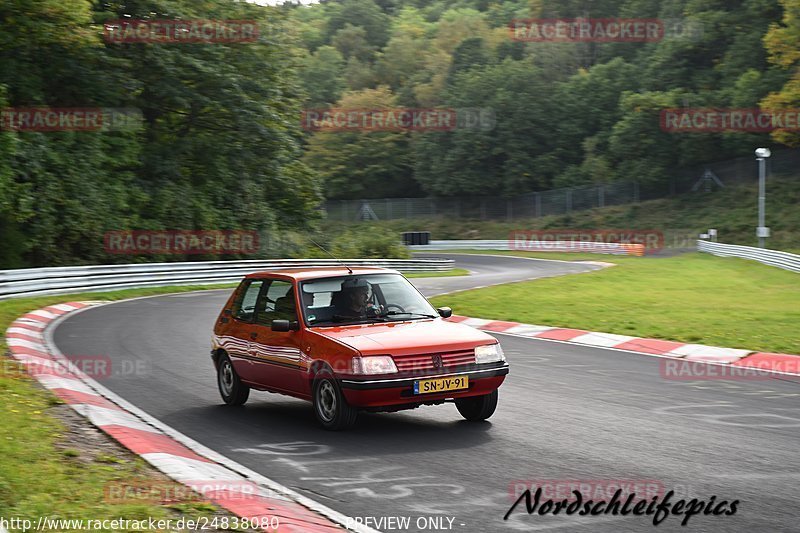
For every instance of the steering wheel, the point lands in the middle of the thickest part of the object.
(389, 306)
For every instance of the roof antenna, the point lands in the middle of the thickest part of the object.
(350, 270)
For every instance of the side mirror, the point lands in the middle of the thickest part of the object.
(227, 312)
(285, 325)
(445, 312)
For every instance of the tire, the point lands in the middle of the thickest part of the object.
(231, 388)
(478, 408)
(330, 407)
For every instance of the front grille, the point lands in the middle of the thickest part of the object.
(414, 363)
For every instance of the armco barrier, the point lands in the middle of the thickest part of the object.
(774, 258)
(534, 246)
(58, 280)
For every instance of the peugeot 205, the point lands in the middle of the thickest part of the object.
(350, 340)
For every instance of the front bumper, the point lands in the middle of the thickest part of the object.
(380, 392)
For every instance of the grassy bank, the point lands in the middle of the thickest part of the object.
(52, 463)
(694, 297)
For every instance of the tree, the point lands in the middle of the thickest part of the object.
(363, 164)
(783, 45)
(512, 157)
(323, 76)
(218, 147)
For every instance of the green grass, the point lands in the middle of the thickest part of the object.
(44, 472)
(732, 211)
(445, 274)
(696, 298)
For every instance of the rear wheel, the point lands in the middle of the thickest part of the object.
(477, 408)
(330, 406)
(231, 388)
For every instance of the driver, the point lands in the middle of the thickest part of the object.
(355, 299)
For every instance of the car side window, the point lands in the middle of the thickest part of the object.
(245, 305)
(278, 303)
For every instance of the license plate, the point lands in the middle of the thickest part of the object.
(427, 386)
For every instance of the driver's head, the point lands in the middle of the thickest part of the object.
(356, 293)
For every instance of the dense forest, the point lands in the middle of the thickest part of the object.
(566, 113)
(221, 144)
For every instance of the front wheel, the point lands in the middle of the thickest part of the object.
(477, 408)
(330, 406)
(231, 388)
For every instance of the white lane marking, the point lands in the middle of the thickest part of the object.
(32, 322)
(192, 472)
(304, 465)
(623, 350)
(714, 353)
(263, 481)
(60, 382)
(65, 307)
(528, 329)
(25, 344)
(102, 416)
(47, 315)
(25, 331)
(32, 363)
(287, 448)
(602, 339)
(475, 322)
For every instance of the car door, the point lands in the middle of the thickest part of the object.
(237, 338)
(276, 355)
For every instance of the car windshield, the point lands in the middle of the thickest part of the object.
(359, 299)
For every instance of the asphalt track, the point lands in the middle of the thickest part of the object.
(569, 413)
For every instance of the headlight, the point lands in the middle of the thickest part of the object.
(374, 364)
(491, 353)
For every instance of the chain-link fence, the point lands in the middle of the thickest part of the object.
(562, 201)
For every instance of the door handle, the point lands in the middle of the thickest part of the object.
(253, 335)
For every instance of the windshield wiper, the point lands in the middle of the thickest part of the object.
(343, 318)
(395, 313)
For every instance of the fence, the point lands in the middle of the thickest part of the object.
(56, 280)
(562, 201)
(774, 258)
(529, 205)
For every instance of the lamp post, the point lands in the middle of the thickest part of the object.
(762, 232)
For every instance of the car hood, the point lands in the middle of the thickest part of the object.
(405, 338)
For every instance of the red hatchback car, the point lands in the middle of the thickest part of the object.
(349, 340)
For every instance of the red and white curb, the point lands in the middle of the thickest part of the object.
(762, 361)
(238, 489)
